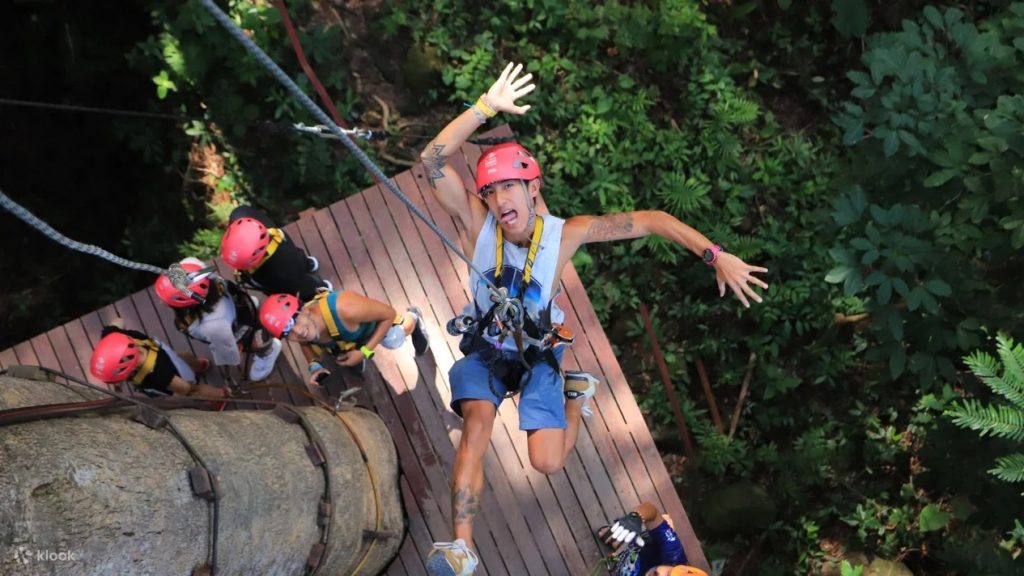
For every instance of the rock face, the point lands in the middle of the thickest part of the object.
(102, 494)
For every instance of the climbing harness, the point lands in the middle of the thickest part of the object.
(324, 307)
(149, 363)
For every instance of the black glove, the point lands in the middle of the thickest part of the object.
(627, 529)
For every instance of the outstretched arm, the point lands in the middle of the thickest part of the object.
(729, 270)
(445, 183)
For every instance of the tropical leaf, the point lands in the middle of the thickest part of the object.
(1009, 468)
(683, 195)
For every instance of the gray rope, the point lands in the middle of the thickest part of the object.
(27, 217)
(326, 121)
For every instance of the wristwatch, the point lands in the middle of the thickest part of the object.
(710, 255)
(367, 352)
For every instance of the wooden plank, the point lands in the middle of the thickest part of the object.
(105, 315)
(8, 358)
(611, 405)
(417, 537)
(412, 465)
(65, 353)
(44, 352)
(406, 252)
(126, 311)
(599, 453)
(551, 509)
(383, 286)
(26, 355)
(634, 421)
(396, 568)
(393, 375)
(82, 345)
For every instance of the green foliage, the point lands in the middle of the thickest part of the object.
(850, 17)
(1004, 377)
(931, 219)
(201, 72)
(846, 569)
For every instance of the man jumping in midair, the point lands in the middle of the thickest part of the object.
(524, 252)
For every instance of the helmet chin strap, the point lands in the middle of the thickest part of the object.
(531, 206)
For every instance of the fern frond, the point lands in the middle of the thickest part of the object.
(983, 365)
(735, 111)
(683, 195)
(1009, 468)
(746, 247)
(1001, 421)
(1013, 360)
(986, 368)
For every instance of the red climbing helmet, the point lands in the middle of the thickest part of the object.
(244, 243)
(114, 358)
(200, 287)
(506, 161)
(277, 313)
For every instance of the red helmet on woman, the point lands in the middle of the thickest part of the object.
(114, 358)
(506, 161)
(244, 243)
(200, 287)
(277, 313)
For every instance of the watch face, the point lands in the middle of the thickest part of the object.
(709, 255)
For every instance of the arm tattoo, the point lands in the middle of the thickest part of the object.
(610, 227)
(465, 505)
(434, 162)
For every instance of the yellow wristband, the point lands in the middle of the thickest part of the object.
(487, 110)
(366, 352)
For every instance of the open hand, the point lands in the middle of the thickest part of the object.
(736, 274)
(502, 95)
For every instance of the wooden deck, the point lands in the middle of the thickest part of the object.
(530, 524)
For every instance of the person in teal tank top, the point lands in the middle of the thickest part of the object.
(342, 324)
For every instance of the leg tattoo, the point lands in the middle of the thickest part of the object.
(465, 505)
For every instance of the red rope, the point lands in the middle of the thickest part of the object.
(320, 90)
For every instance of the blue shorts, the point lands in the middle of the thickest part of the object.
(541, 401)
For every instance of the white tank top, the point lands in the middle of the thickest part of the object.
(541, 292)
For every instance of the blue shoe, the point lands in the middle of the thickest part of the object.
(451, 559)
